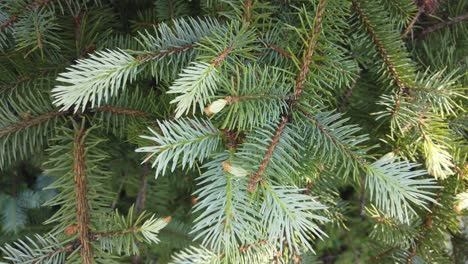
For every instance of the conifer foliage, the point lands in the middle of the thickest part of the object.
(233, 131)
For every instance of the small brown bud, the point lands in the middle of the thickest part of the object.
(429, 222)
(193, 200)
(71, 229)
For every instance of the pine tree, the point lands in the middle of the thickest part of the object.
(232, 131)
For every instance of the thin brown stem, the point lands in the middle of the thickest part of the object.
(441, 25)
(67, 248)
(247, 247)
(81, 196)
(358, 159)
(15, 128)
(280, 51)
(8, 22)
(312, 45)
(258, 176)
(220, 58)
(248, 10)
(121, 111)
(410, 26)
(380, 46)
(382, 254)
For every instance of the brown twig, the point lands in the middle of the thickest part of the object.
(257, 176)
(141, 197)
(119, 191)
(15, 128)
(443, 24)
(220, 58)
(81, 193)
(410, 26)
(313, 41)
(248, 10)
(53, 253)
(121, 111)
(280, 51)
(299, 86)
(382, 254)
(380, 46)
(334, 139)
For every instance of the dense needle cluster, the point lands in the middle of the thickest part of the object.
(253, 131)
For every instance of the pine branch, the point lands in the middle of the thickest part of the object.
(258, 176)
(426, 227)
(394, 184)
(14, 18)
(443, 24)
(45, 249)
(290, 216)
(122, 111)
(198, 82)
(169, 10)
(257, 96)
(340, 139)
(147, 226)
(410, 26)
(100, 77)
(23, 82)
(248, 10)
(131, 108)
(299, 85)
(164, 53)
(226, 219)
(309, 53)
(27, 123)
(283, 162)
(386, 56)
(277, 49)
(189, 139)
(81, 191)
(8, 22)
(346, 97)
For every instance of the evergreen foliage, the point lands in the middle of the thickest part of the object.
(308, 131)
